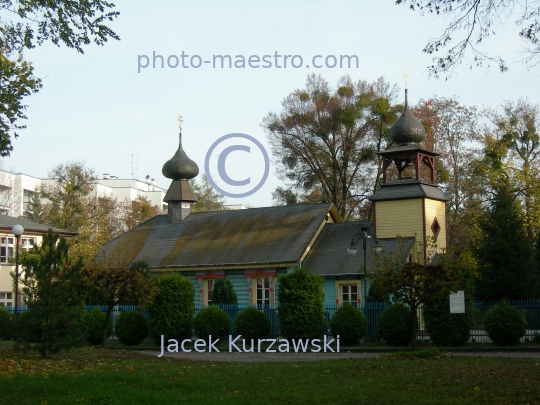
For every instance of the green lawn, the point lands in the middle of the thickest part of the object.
(95, 376)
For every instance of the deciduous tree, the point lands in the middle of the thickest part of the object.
(478, 20)
(113, 286)
(325, 139)
(28, 23)
(415, 284)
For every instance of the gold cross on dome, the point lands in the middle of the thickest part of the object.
(406, 75)
(180, 120)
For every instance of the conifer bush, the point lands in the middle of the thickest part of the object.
(395, 325)
(301, 313)
(349, 323)
(92, 326)
(504, 324)
(212, 321)
(28, 327)
(224, 293)
(131, 328)
(6, 324)
(252, 323)
(173, 310)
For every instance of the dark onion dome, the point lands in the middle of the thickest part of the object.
(180, 166)
(407, 130)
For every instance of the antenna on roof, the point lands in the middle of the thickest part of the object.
(133, 163)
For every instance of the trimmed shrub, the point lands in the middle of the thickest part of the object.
(212, 321)
(131, 328)
(504, 324)
(301, 312)
(444, 328)
(252, 323)
(395, 325)
(92, 326)
(6, 324)
(349, 323)
(172, 312)
(223, 292)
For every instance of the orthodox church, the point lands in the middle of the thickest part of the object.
(254, 247)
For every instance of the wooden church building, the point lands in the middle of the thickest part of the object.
(254, 247)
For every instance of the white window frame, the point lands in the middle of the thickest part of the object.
(208, 290)
(7, 246)
(25, 245)
(348, 285)
(262, 284)
(7, 298)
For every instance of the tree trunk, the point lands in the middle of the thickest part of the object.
(414, 322)
(106, 325)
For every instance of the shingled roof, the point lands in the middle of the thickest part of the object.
(328, 255)
(7, 222)
(405, 189)
(271, 236)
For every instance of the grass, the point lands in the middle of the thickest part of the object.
(103, 377)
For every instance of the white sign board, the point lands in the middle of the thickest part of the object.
(457, 303)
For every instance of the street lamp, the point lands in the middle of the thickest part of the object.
(352, 249)
(17, 230)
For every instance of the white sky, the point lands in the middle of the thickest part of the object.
(96, 107)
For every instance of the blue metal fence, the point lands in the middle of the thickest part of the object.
(530, 309)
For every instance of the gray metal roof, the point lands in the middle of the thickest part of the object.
(7, 222)
(328, 256)
(271, 235)
(407, 129)
(406, 189)
(406, 151)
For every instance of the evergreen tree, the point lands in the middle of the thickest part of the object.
(51, 288)
(209, 199)
(505, 254)
(223, 292)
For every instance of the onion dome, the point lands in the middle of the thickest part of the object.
(407, 130)
(180, 166)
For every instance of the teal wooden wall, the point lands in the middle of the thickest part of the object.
(329, 291)
(238, 280)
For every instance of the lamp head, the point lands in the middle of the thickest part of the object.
(351, 249)
(17, 230)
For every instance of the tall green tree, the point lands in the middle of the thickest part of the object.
(51, 286)
(17, 81)
(209, 199)
(29, 23)
(504, 253)
(512, 146)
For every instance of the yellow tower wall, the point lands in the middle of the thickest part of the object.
(399, 218)
(434, 208)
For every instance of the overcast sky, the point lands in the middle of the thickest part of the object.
(99, 108)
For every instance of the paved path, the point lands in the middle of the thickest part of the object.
(293, 357)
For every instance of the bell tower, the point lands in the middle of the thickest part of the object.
(410, 204)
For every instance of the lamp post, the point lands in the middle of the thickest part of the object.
(17, 230)
(352, 249)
